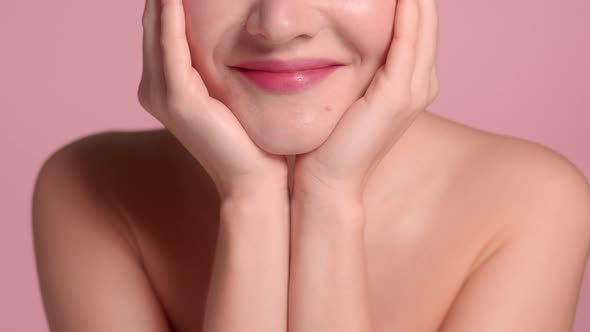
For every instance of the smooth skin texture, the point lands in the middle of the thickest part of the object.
(224, 33)
(327, 212)
(462, 230)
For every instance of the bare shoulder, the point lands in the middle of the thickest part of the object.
(516, 172)
(540, 202)
(534, 183)
(91, 169)
(119, 213)
(517, 186)
(139, 150)
(494, 189)
(142, 178)
(133, 167)
(82, 244)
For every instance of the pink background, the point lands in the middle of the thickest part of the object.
(71, 68)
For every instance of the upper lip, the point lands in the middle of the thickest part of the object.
(285, 66)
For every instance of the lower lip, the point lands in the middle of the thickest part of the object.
(287, 82)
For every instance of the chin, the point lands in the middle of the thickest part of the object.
(290, 131)
(288, 144)
(287, 124)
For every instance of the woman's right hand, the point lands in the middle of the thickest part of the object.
(172, 91)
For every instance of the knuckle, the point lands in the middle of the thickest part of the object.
(146, 20)
(144, 100)
(421, 99)
(434, 93)
(141, 92)
(422, 105)
(146, 97)
(434, 87)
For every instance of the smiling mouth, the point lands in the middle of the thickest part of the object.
(287, 66)
(286, 82)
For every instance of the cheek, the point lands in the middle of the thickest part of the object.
(202, 30)
(379, 37)
(370, 27)
(207, 25)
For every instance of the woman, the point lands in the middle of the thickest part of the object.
(305, 195)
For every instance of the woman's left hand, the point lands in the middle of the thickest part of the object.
(402, 88)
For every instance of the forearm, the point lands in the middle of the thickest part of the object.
(249, 282)
(328, 289)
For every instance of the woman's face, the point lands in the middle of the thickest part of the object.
(225, 33)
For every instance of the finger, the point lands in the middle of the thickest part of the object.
(426, 47)
(151, 36)
(434, 87)
(176, 58)
(373, 113)
(401, 59)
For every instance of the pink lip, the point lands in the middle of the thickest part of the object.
(286, 76)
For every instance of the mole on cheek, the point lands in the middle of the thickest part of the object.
(328, 108)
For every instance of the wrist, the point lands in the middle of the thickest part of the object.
(345, 210)
(311, 198)
(252, 189)
(249, 209)
(308, 187)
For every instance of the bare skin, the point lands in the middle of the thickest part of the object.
(446, 199)
(442, 228)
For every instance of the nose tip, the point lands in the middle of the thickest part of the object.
(279, 21)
